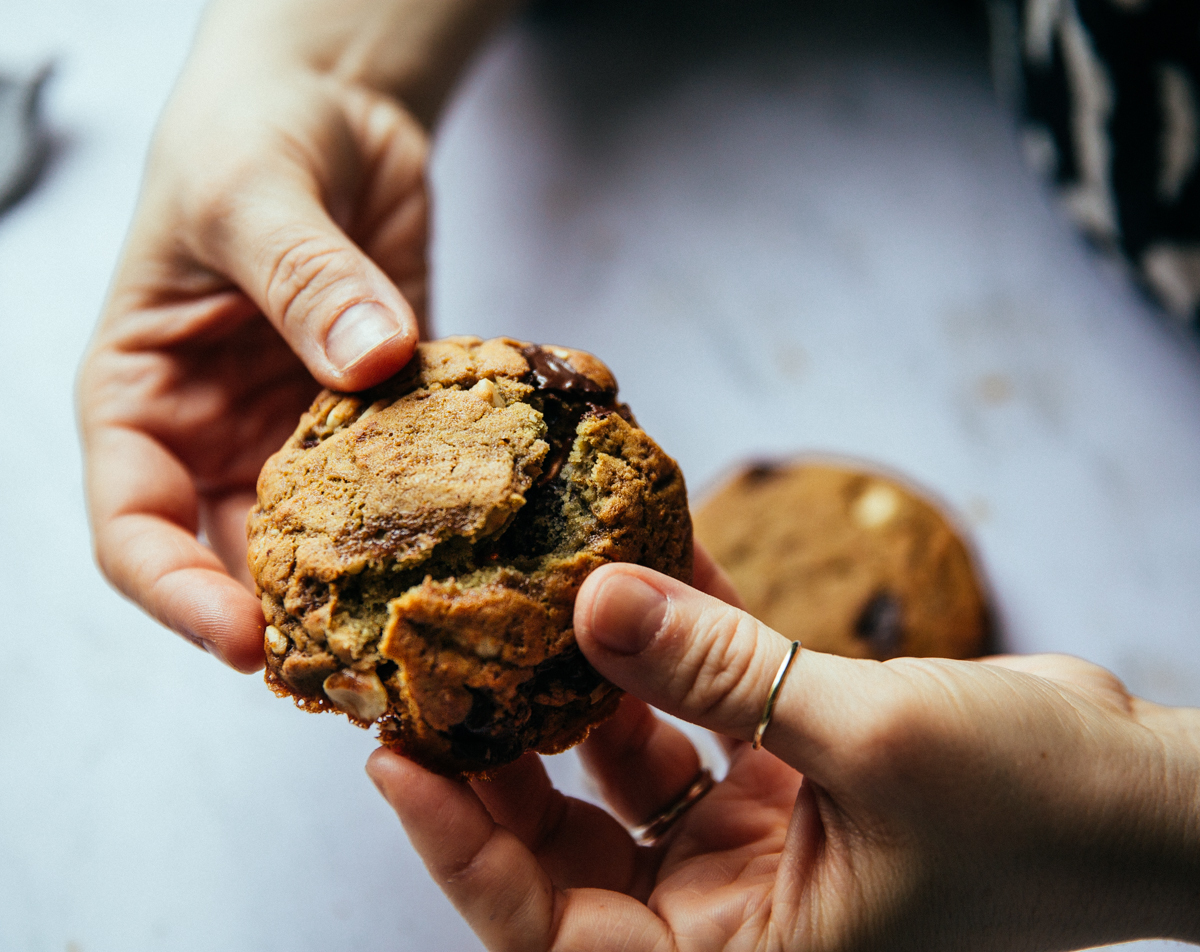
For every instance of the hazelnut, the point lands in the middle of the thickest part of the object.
(276, 640)
(359, 694)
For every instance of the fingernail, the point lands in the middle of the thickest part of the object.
(627, 614)
(358, 331)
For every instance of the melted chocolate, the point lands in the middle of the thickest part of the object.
(569, 397)
(563, 417)
(569, 670)
(311, 594)
(881, 624)
(554, 463)
(476, 737)
(620, 409)
(564, 398)
(548, 371)
(385, 669)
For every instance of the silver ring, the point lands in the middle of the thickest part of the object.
(769, 707)
(657, 826)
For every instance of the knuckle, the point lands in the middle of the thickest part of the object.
(722, 670)
(299, 273)
(215, 196)
(551, 824)
(213, 208)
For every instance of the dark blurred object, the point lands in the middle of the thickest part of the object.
(24, 141)
(699, 24)
(604, 59)
(1110, 97)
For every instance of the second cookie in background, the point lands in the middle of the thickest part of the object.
(846, 561)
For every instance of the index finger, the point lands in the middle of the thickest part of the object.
(144, 513)
(710, 578)
(493, 879)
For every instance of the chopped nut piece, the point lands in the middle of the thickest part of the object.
(876, 506)
(359, 694)
(486, 391)
(489, 647)
(276, 640)
(373, 409)
(342, 411)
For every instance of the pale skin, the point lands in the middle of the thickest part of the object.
(1017, 803)
(279, 246)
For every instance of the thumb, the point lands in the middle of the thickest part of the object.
(334, 306)
(696, 657)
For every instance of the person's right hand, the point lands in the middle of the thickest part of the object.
(278, 246)
(918, 804)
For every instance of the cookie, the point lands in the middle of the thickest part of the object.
(418, 548)
(847, 562)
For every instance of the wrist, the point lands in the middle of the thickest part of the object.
(1117, 858)
(412, 50)
(1174, 813)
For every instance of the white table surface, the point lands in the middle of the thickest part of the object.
(780, 244)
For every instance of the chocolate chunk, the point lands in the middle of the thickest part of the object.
(881, 624)
(479, 719)
(311, 594)
(481, 749)
(550, 372)
(553, 464)
(385, 669)
(568, 670)
(476, 737)
(601, 410)
(762, 471)
(562, 418)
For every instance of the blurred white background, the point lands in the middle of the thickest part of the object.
(785, 231)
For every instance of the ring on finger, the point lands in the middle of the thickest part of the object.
(655, 828)
(769, 706)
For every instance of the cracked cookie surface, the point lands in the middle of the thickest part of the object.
(418, 548)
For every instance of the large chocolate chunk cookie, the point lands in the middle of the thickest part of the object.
(418, 548)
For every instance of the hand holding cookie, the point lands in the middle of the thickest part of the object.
(913, 804)
(278, 246)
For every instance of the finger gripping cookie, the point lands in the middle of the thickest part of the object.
(418, 548)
